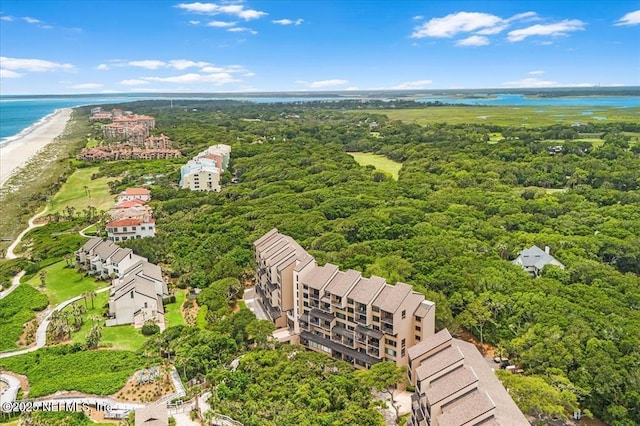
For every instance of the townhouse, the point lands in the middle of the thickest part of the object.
(356, 319)
(137, 286)
(130, 228)
(130, 194)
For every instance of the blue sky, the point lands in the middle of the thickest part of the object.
(57, 47)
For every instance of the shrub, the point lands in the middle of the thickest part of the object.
(150, 329)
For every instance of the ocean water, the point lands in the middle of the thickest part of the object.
(17, 115)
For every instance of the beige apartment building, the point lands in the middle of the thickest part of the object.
(359, 320)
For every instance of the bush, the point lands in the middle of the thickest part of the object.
(170, 299)
(150, 329)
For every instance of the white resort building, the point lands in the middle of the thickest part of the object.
(203, 172)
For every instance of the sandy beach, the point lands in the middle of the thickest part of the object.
(16, 153)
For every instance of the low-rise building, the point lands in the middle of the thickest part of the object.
(133, 209)
(356, 319)
(454, 385)
(130, 194)
(137, 286)
(534, 259)
(129, 229)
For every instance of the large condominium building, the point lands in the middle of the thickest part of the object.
(203, 172)
(455, 386)
(356, 319)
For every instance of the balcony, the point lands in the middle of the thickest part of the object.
(361, 319)
(387, 329)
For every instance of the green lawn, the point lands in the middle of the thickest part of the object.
(91, 230)
(64, 283)
(172, 314)
(60, 368)
(74, 194)
(17, 309)
(509, 115)
(380, 162)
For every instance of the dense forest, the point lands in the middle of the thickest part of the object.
(463, 207)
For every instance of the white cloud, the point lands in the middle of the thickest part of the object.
(474, 40)
(418, 18)
(148, 64)
(631, 18)
(455, 23)
(33, 65)
(528, 16)
(9, 74)
(215, 9)
(552, 30)
(326, 83)
(103, 67)
(6, 18)
(86, 86)
(182, 64)
(242, 30)
(410, 85)
(534, 82)
(133, 82)
(220, 24)
(535, 72)
(30, 20)
(288, 21)
(217, 78)
(194, 22)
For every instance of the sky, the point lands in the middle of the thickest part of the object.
(68, 47)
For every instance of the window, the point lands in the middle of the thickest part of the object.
(390, 352)
(418, 319)
(350, 301)
(375, 309)
(146, 305)
(133, 228)
(142, 228)
(132, 294)
(350, 310)
(402, 352)
(403, 343)
(341, 316)
(124, 229)
(417, 338)
(418, 328)
(404, 314)
(376, 319)
(390, 342)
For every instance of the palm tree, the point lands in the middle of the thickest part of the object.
(43, 277)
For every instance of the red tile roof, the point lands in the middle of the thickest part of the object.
(128, 222)
(137, 191)
(130, 203)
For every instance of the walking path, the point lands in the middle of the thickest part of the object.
(41, 333)
(11, 255)
(84, 229)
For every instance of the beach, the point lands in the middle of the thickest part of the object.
(16, 152)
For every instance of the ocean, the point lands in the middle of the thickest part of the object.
(18, 115)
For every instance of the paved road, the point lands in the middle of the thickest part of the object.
(41, 333)
(254, 304)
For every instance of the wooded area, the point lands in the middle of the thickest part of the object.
(461, 209)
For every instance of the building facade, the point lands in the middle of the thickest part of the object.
(129, 229)
(130, 194)
(359, 320)
(203, 172)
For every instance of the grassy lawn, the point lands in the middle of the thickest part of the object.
(509, 115)
(172, 314)
(380, 162)
(73, 193)
(91, 230)
(60, 368)
(64, 283)
(17, 309)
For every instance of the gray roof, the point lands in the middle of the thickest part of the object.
(463, 410)
(424, 308)
(318, 277)
(429, 344)
(438, 362)
(391, 297)
(450, 383)
(305, 259)
(265, 237)
(367, 289)
(105, 249)
(507, 412)
(152, 415)
(92, 243)
(146, 269)
(137, 284)
(342, 282)
(534, 256)
(121, 254)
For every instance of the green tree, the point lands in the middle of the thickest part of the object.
(385, 377)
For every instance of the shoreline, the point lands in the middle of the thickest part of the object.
(17, 150)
